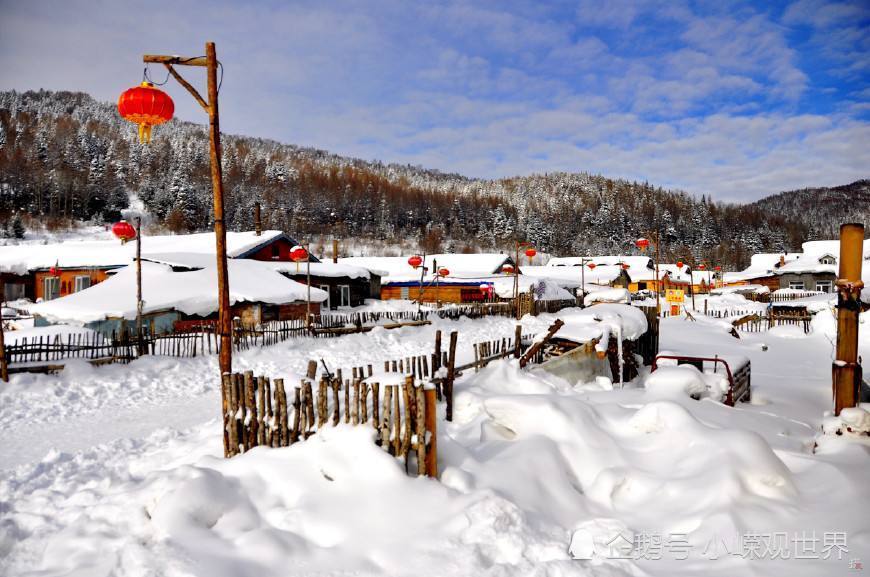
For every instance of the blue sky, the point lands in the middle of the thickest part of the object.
(732, 99)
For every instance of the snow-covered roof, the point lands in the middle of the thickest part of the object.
(814, 252)
(397, 269)
(600, 322)
(569, 276)
(741, 289)
(201, 260)
(20, 259)
(192, 293)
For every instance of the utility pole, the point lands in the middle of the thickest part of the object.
(139, 303)
(4, 364)
(210, 62)
(846, 370)
(308, 282)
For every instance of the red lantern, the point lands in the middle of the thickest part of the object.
(124, 231)
(642, 243)
(298, 254)
(415, 261)
(530, 252)
(591, 265)
(146, 106)
(625, 266)
(54, 271)
(702, 266)
(717, 268)
(484, 288)
(443, 271)
(507, 269)
(679, 264)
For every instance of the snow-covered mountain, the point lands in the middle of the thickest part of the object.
(65, 156)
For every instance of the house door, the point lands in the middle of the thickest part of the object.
(326, 305)
(345, 295)
(50, 288)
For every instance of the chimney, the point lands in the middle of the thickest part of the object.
(781, 260)
(334, 250)
(258, 226)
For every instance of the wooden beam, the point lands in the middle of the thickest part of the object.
(180, 60)
(189, 87)
(554, 328)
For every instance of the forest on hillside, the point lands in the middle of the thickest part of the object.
(67, 157)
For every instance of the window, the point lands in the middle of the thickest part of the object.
(13, 291)
(345, 295)
(828, 259)
(81, 283)
(403, 292)
(326, 304)
(276, 251)
(50, 288)
(825, 286)
(797, 285)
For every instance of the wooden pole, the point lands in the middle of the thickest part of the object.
(4, 364)
(451, 374)
(225, 316)
(582, 283)
(846, 370)
(431, 433)
(139, 286)
(335, 250)
(658, 278)
(308, 277)
(517, 279)
(258, 225)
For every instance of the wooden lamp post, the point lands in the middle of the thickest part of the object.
(210, 106)
(643, 244)
(530, 252)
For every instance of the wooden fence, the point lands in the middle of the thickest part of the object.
(754, 321)
(403, 415)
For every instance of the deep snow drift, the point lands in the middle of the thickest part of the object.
(534, 471)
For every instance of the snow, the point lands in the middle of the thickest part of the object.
(599, 322)
(117, 470)
(741, 289)
(204, 260)
(192, 293)
(396, 268)
(20, 259)
(607, 295)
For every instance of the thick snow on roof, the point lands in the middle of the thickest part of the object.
(569, 276)
(20, 259)
(397, 269)
(600, 322)
(192, 293)
(808, 262)
(202, 260)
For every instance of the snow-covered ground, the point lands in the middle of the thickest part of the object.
(117, 470)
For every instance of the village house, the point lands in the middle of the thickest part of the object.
(462, 284)
(181, 299)
(816, 268)
(50, 271)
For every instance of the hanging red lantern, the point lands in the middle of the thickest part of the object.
(702, 266)
(124, 231)
(415, 261)
(531, 252)
(484, 288)
(54, 271)
(298, 254)
(642, 243)
(443, 271)
(717, 268)
(625, 266)
(591, 265)
(507, 269)
(146, 106)
(679, 264)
